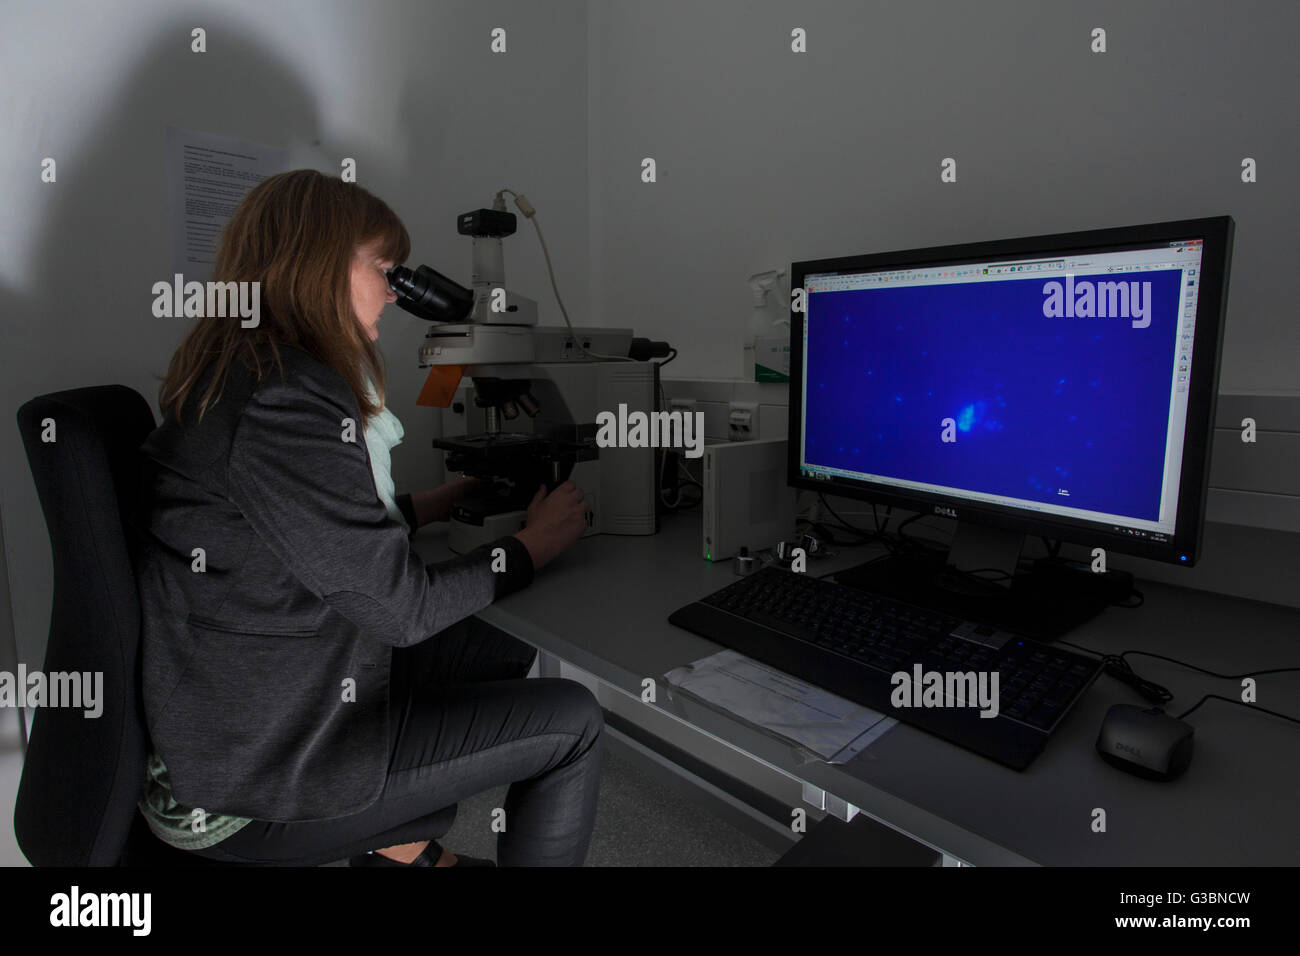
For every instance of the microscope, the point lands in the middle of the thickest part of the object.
(529, 417)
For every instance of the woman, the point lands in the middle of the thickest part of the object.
(309, 683)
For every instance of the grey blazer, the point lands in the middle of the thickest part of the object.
(266, 658)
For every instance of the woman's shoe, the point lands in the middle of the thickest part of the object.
(429, 857)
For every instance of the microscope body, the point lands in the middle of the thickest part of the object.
(516, 426)
(525, 412)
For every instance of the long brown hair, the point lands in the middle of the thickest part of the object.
(295, 233)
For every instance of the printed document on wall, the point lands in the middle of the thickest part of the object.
(207, 177)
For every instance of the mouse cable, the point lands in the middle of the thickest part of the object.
(1174, 660)
(1240, 703)
(1117, 667)
(1202, 670)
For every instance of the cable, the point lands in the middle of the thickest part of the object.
(1240, 703)
(918, 542)
(681, 464)
(661, 405)
(825, 531)
(902, 544)
(530, 213)
(916, 517)
(1210, 673)
(676, 504)
(876, 518)
(1087, 650)
(1118, 667)
(848, 527)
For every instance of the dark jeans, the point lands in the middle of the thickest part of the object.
(463, 721)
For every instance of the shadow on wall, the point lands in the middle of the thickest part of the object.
(99, 241)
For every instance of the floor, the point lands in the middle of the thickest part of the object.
(639, 822)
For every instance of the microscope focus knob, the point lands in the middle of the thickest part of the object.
(529, 404)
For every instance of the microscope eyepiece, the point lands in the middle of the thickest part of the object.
(430, 295)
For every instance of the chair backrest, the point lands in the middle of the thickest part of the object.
(82, 776)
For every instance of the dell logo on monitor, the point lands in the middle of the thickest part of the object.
(949, 512)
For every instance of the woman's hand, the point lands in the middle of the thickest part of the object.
(555, 522)
(435, 504)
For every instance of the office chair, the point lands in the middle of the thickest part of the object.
(83, 777)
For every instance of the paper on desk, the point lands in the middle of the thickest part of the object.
(833, 728)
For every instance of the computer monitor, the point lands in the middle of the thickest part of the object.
(1060, 385)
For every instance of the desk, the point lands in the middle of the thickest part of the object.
(603, 608)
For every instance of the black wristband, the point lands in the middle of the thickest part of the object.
(518, 571)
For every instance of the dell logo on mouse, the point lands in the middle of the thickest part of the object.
(1127, 749)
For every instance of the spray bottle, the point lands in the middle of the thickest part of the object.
(765, 326)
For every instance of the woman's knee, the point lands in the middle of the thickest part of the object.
(580, 708)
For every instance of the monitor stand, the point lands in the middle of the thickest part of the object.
(1040, 606)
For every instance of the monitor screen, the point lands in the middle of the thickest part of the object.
(1047, 382)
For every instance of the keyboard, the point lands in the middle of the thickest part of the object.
(851, 643)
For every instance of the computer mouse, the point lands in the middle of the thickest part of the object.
(1145, 741)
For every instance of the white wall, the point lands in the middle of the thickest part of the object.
(436, 122)
(767, 157)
